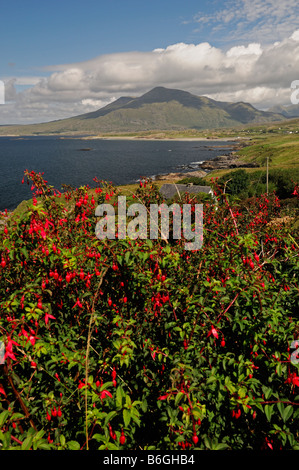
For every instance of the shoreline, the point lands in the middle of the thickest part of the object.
(137, 138)
(203, 168)
(161, 139)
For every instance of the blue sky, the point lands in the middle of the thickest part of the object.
(62, 58)
(39, 33)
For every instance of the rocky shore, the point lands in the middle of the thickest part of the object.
(221, 162)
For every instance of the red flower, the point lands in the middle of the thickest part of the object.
(122, 438)
(78, 303)
(295, 380)
(105, 394)
(8, 351)
(47, 316)
(213, 332)
(163, 397)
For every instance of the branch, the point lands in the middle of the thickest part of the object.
(90, 327)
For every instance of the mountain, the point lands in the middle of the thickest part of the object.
(159, 109)
(291, 111)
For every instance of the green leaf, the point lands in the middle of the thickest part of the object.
(287, 413)
(267, 392)
(269, 411)
(126, 417)
(119, 397)
(178, 398)
(27, 443)
(3, 417)
(220, 446)
(73, 445)
(109, 417)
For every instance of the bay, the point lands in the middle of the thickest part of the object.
(76, 162)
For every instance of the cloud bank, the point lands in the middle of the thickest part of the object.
(255, 73)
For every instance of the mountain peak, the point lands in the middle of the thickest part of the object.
(158, 109)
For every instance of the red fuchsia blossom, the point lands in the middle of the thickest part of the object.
(213, 332)
(122, 438)
(78, 303)
(236, 414)
(2, 391)
(163, 397)
(105, 394)
(293, 378)
(31, 339)
(47, 316)
(269, 443)
(8, 349)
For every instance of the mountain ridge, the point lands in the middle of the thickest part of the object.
(158, 109)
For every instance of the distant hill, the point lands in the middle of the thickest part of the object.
(291, 111)
(159, 109)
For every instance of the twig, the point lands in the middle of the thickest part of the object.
(90, 327)
(19, 398)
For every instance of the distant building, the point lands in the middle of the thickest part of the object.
(168, 190)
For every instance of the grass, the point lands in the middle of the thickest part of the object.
(277, 142)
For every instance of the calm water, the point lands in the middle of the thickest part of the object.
(63, 161)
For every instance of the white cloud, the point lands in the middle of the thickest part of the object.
(295, 35)
(95, 103)
(256, 73)
(239, 51)
(260, 20)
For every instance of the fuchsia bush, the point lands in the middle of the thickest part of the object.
(139, 344)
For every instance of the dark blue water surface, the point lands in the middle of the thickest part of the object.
(64, 162)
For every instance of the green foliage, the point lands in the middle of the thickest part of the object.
(283, 181)
(235, 182)
(248, 184)
(140, 344)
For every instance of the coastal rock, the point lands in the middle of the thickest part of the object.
(223, 162)
(197, 173)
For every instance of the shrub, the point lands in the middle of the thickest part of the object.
(140, 344)
(235, 182)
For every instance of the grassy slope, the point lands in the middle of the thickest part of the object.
(279, 142)
(156, 116)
